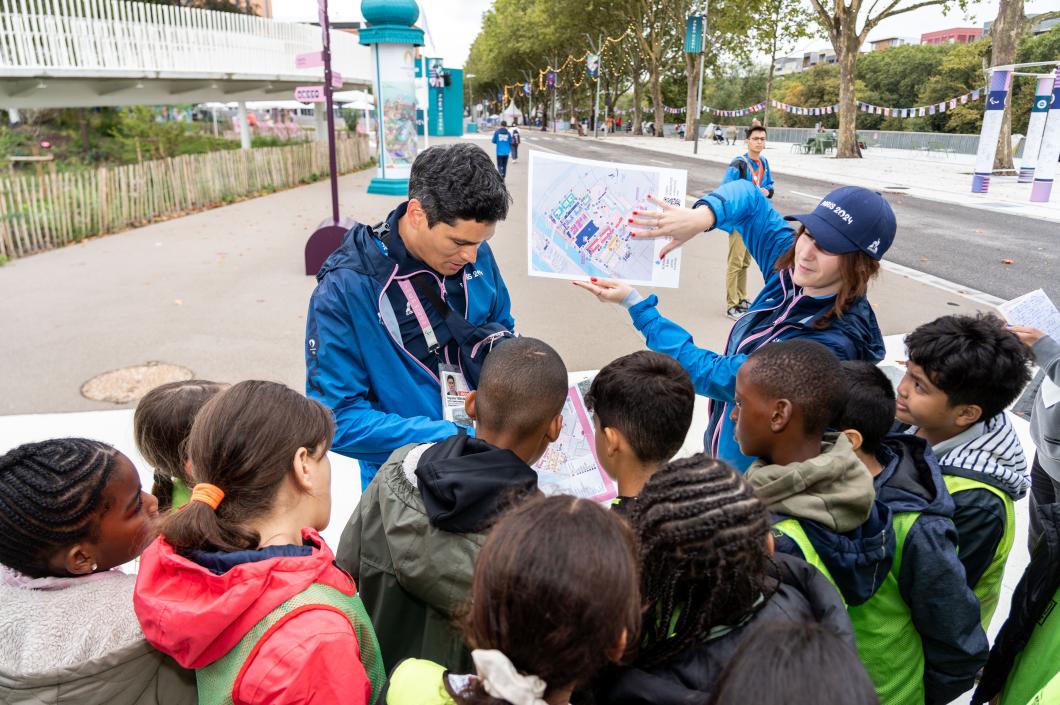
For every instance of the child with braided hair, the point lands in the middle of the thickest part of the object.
(240, 586)
(161, 424)
(708, 575)
(71, 511)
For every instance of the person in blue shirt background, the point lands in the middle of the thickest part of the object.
(367, 355)
(503, 139)
(815, 283)
(750, 166)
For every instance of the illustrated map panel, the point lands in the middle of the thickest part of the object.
(578, 224)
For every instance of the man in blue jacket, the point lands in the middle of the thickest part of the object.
(750, 166)
(503, 139)
(375, 345)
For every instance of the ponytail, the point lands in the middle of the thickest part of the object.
(243, 441)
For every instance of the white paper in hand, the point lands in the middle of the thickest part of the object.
(1034, 310)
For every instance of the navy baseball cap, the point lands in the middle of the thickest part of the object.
(849, 219)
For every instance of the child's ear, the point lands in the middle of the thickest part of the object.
(968, 414)
(781, 416)
(76, 560)
(614, 440)
(555, 427)
(300, 469)
(469, 405)
(855, 438)
(620, 648)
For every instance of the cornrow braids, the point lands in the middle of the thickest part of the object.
(50, 497)
(703, 554)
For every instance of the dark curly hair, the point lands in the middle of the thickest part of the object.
(973, 359)
(458, 182)
(51, 495)
(704, 555)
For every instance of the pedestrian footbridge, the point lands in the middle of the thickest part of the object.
(87, 53)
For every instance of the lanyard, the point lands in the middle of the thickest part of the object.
(756, 174)
(421, 315)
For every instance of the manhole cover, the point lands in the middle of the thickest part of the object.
(128, 384)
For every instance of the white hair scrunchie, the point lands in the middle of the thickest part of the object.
(501, 680)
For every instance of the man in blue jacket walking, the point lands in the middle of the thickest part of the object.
(503, 139)
(377, 346)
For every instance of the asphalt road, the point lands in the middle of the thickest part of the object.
(965, 246)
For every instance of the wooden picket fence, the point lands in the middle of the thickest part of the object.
(49, 209)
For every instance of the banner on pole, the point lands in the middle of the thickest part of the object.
(550, 79)
(694, 26)
(592, 65)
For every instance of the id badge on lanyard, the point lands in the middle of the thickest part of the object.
(454, 394)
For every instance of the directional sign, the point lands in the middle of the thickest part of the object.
(336, 79)
(309, 94)
(694, 26)
(310, 60)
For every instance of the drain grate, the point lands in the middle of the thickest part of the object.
(129, 384)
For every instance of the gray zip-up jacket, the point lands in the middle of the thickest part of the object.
(1045, 422)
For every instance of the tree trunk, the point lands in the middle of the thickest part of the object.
(656, 97)
(846, 57)
(691, 61)
(1005, 35)
(638, 96)
(772, 70)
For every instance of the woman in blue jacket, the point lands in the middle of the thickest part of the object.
(815, 283)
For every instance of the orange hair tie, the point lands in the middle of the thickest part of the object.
(210, 495)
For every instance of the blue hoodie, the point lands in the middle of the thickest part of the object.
(780, 312)
(931, 577)
(382, 396)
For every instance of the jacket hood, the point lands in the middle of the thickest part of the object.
(196, 616)
(857, 560)
(360, 250)
(833, 489)
(803, 594)
(990, 452)
(465, 482)
(911, 480)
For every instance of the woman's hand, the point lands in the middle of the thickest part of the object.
(607, 290)
(676, 222)
(1027, 335)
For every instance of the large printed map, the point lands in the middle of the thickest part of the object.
(569, 466)
(578, 224)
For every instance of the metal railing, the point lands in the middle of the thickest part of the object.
(56, 37)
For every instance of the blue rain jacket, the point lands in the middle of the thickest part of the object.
(356, 363)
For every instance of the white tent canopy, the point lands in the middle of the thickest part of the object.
(511, 113)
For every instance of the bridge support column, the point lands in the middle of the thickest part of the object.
(320, 114)
(244, 126)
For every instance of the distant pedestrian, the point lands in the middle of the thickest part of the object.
(753, 167)
(516, 140)
(503, 139)
(718, 137)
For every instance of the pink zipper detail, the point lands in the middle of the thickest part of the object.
(398, 343)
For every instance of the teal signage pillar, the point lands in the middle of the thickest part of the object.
(393, 40)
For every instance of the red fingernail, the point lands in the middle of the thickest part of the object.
(662, 257)
(631, 220)
(634, 213)
(592, 279)
(633, 234)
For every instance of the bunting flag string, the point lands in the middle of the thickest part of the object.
(820, 110)
(923, 110)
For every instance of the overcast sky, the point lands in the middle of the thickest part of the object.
(453, 25)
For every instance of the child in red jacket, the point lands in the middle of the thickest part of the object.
(240, 586)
